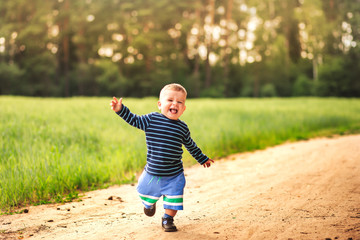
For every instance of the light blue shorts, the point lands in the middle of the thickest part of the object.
(151, 188)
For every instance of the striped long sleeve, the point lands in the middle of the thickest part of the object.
(164, 140)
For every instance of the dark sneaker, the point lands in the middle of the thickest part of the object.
(150, 211)
(168, 225)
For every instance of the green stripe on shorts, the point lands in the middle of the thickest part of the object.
(149, 200)
(173, 200)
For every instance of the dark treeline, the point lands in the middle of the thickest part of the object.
(228, 48)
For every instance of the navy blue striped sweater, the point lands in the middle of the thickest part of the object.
(164, 140)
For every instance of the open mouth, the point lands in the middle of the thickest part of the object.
(173, 111)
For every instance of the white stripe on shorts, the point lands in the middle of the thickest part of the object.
(148, 196)
(173, 204)
(178, 196)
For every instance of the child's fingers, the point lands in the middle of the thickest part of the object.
(116, 104)
(208, 163)
(113, 102)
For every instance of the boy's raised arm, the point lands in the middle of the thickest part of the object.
(115, 104)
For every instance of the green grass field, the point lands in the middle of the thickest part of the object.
(52, 149)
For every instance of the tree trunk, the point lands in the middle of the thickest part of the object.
(66, 47)
(315, 69)
(227, 55)
(209, 43)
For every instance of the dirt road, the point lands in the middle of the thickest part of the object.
(303, 190)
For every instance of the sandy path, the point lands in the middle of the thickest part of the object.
(303, 190)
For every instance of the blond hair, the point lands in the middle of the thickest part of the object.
(175, 87)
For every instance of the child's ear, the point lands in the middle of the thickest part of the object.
(159, 104)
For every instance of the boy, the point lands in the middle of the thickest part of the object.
(165, 134)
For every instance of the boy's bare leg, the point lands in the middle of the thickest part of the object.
(171, 212)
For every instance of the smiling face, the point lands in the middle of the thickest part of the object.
(172, 103)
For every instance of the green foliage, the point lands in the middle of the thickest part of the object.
(303, 86)
(335, 75)
(109, 79)
(213, 92)
(57, 148)
(10, 79)
(268, 90)
(101, 48)
(247, 91)
(85, 78)
(332, 75)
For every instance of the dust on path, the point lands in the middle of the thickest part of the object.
(303, 190)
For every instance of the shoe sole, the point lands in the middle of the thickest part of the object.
(170, 230)
(150, 212)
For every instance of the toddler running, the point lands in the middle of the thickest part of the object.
(163, 174)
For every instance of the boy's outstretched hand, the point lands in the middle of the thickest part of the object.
(115, 104)
(208, 163)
